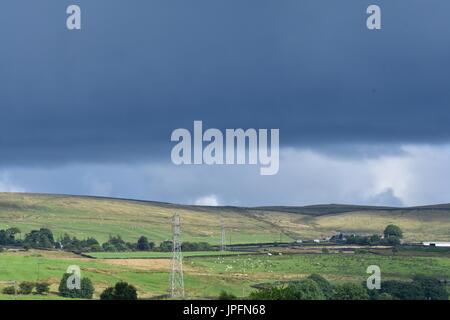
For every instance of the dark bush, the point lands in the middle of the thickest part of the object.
(26, 287)
(403, 290)
(325, 286)
(350, 291)
(226, 296)
(432, 288)
(115, 243)
(85, 292)
(299, 290)
(9, 290)
(107, 294)
(121, 291)
(42, 238)
(166, 246)
(143, 244)
(42, 287)
(393, 231)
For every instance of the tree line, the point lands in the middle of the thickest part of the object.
(316, 287)
(44, 239)
(121, 290)
(392, 236)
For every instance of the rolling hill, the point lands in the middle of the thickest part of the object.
(101, 217)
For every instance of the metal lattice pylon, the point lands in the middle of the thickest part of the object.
(223, 245)
(176, 275)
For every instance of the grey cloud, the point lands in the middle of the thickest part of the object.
(416, 177)
(114, 91)
(386, 198)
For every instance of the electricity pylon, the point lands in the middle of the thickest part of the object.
(176, 275)
(223, 245)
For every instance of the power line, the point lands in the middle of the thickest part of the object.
(176, 275)
(223, 245)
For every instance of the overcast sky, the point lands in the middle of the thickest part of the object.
(364, 116)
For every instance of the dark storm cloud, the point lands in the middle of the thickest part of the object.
(140, 69)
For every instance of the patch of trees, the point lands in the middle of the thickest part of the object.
(350, 291)
(196, 246)
(8, 237)
(316, 287)
(73, 244)
(121, 291)
(44, 239)
(144, 245)
(166, 246)
(224, 295)
(27, 287)
(85, 290)
(421, 288)
(392, 236)
(116, 244)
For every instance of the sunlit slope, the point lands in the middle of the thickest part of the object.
(101, 217)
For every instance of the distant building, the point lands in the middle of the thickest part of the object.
(341, 237)
(437, 244)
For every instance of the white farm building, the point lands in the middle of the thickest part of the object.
(437, 244)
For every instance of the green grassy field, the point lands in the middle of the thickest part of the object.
(156, 255)
(101, 217)
(208, 273)
(149, 276)
(337, 267)
(207, 276)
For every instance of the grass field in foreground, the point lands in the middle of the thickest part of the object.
(207, 276)
(155, 255)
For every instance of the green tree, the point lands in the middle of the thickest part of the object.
(107, 294)
(115, 243)
(109, 247)
(121, 291)
(8, 237)
(269, 293)
(350, 291)
(403, 290)
(432, 288)
(226, 296)
(325, 286)
(42, 287)
(143, 244)
(125, 291)
(85, 292)
(87, 288)
(26, 287)
(393, 231)
(166, 246)
(9, 290)
(42, 238)
(374, 240)
(304, 290)
(385, 296)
